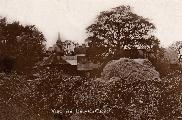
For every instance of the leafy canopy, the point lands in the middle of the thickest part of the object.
(25, 43)
(120, 28)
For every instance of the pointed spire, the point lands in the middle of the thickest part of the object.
(59, 37)
(59, 42)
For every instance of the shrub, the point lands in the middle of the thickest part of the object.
(129, 87)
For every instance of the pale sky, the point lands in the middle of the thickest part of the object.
(71, 17)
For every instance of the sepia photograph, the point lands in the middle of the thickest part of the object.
(90, 60)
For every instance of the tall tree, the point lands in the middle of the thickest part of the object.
(175, 51)
(25, 43)
(30, 47)
(120, 28)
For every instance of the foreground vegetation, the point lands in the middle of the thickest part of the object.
(34, 97)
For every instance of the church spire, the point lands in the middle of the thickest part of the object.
(59, 37)
(59, 42)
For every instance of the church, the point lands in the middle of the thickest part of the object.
(68, 54)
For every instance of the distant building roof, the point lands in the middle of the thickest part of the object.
(72, 60)
(53, 59)
(81, 49)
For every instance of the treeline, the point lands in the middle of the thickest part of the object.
(21, 46)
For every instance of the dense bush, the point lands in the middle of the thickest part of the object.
(15, 98)
(129, 88)
(132, 90)
(35, 96)
(54, 89)
(7, 63)
(130, 70)
(171, 97)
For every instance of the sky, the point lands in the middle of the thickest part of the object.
(71, 17)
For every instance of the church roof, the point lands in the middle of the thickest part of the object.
(52, 60)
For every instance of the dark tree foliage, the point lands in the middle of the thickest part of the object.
(119, 29)
(7, 63)
(176, 46)
(25, 43)
(160, 61)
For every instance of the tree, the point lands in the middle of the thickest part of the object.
(176, 46)
(25, 43)
(31, 47)
(69, 46)
(120, 29)
(160, 61)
